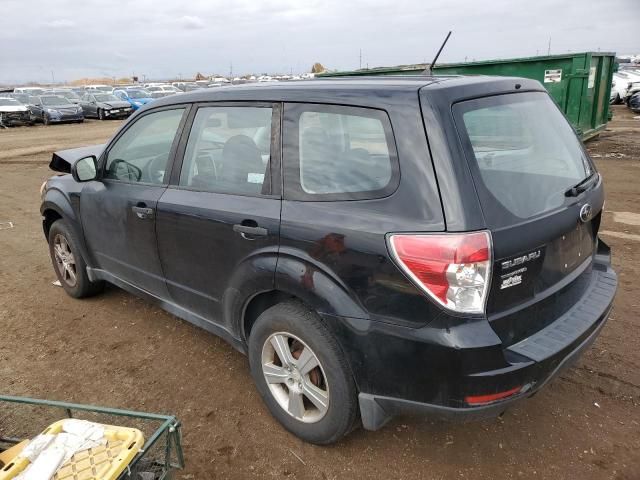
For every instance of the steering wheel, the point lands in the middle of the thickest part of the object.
(155, 168)
(133, 172)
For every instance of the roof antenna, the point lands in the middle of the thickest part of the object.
(429, 69)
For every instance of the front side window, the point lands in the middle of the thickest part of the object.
(141, 154)
(228, 151)
(338, 153)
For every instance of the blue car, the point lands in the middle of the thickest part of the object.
(136, 97)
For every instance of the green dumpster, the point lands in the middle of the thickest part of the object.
(580, 83)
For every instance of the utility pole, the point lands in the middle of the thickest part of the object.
(53, 79)
(231, 69)
(360, 67)
(549, 47)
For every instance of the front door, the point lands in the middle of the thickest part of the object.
(119, 211)
(222, 210)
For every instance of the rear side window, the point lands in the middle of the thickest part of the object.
(338, 153)
(524, 154)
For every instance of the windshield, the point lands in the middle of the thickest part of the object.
(64, 93)
(138, 94)
(32, 91)
(70, 94)
(54, 100)
(525, 154)
(106, 97)
(21, 97)
(9, 102)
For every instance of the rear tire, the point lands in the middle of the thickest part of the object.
(298, 334)
(68, 263)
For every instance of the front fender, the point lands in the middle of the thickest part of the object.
(55, 200)
(67, 207)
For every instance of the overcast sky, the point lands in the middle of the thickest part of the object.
(167, 38)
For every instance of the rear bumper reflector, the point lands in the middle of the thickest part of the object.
(492, 397)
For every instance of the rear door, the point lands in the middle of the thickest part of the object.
(223, 207)
(541, 198)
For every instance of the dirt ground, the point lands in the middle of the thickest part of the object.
(119, 351)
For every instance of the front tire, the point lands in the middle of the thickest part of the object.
(68, 263)
(302, 374)
(100, 114)
(45, 119)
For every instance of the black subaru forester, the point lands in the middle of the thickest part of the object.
(377, 246)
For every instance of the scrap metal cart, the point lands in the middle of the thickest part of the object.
(140, 446)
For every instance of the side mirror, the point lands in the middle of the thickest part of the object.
(85, 169)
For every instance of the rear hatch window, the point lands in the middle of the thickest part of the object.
(525, 154)
(532, 177)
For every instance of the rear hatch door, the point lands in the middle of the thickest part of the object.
(541, 199)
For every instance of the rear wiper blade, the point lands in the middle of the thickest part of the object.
(578, 188)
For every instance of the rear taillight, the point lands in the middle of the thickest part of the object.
(453, 269)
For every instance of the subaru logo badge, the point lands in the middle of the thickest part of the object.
(585, 212)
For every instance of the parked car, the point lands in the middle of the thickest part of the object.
(67, 93)
(423, 244)
(78, 90)
(26, 100)
(99, 88)
(160, 94)
(12, 112)
(179, 85)
(104, 106)
(135, 96)
(634, 102)
(191, 87)
(623, 80)
(56, 109)
(163, 88)
(29, 90)
(618, 89)
(634, 87)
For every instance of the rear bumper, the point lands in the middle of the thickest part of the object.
(432, 370)
(377, 410)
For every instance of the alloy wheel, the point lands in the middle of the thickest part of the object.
(65, 260)
(295, 377)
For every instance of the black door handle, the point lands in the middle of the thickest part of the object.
(245, 230)
(142, 212)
